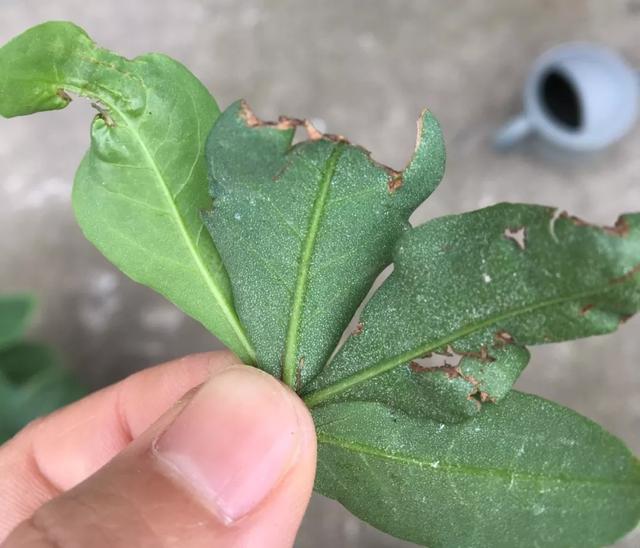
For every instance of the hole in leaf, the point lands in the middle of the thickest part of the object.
(448, 358)
(519, 236)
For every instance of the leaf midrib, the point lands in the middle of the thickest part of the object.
(227, 311)
(321, 395)
(290, 359)
(440, 467)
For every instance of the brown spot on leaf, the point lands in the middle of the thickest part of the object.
(456, 356)
(64, 95)
(625, 318)
(281, 171)
(483, 355)
(285, 123)
(358, 329)
(471, 379)
(312, 131)
(503, 337)
(335, 138)
(517, 235)
(447, 351)
(574, 219)
(626, 277)
(248, 116)
(395, 182)
(481, 396)
(585, 309)
(103, 113)
(453, 372)
(620, 228)
(418, 141)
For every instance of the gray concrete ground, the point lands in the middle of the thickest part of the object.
(365, 69)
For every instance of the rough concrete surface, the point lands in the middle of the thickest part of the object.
(364, 69)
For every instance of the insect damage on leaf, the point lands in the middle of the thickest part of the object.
(460, 282)
(627, 276)
(103, 114)
(502, 338)
(64, 95)
(619, 228)
(452, 372)
(139, 190)
(285, 123)
(462, 381)
(395, 182)
(518, 235)
(305, 228)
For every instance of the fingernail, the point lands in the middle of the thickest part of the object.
(234, 442)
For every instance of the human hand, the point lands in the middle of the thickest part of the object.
(195, 452)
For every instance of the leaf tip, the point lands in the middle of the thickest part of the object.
(425, 169)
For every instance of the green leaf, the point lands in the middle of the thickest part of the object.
(15, 312)
(32, 384)
(524, 473)
(140, 188)
(481, 285)
(304, 230)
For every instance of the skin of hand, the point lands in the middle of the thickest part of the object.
(199, 452)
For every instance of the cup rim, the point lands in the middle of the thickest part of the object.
(539, 118)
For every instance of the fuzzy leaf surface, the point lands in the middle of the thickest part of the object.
(524, 473)
(481, 286)
(304, 230)
(141, 186)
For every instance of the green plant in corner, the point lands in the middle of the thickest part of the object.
(278, 262)
(32, 380)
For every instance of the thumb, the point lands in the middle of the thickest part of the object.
(232, 464)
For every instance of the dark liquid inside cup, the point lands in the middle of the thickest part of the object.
(560, 100)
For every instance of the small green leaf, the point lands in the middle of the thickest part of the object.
(33, 383)
(480, 286)
(524, 473)
(15, 312)
(140, 188)
(305, 229)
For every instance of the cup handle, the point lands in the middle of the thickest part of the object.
(512, 132)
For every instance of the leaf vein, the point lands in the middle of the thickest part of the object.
(290, 361)
(464, 469)
(224, 304)
(381, 367)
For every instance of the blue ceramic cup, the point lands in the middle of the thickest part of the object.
(581, 97)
